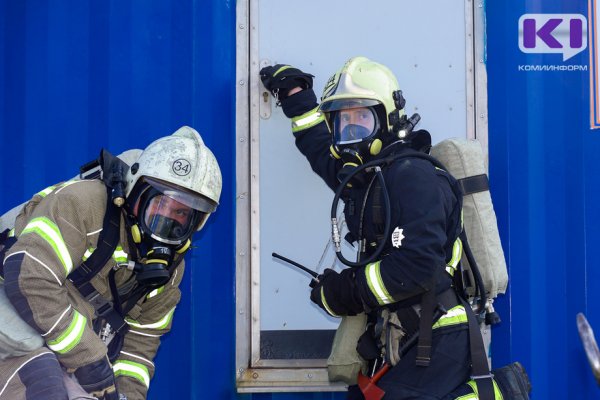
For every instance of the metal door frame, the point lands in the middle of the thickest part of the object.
(252, 373)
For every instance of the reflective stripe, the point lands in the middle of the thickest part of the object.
(282, 69)
(38, 261)
(50, 232)
(138, 357)
(57, 321)
(324, 301)
(132, 369)
(373, 275)
(119, 255)
(11, 233)
(87, 253)
(456, 256)
(307, 120)
(456, 315)
(497, 392)
(163, 323)
(71, 336)
(46, 191)
(155, 292)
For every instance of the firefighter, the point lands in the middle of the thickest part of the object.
(409, 255)
(105, 328)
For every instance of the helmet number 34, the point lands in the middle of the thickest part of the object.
(181, 167)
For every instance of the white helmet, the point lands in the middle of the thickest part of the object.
(182, 168)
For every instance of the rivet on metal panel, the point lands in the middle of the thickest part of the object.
(241, 371)
(242, 26)
(310, 376)
(255, 375)
(242, 253)
(242, 83)
(242, 196)
(480, 5)
(242, 139)
(241, 312)
(480, 60)
(481, 116)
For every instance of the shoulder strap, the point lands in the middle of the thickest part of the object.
(480, 369)
(107, 243)
(83, 274)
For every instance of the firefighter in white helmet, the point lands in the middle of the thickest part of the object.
(104, 326)
(404, 212)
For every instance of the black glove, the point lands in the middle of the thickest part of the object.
(98, 379)
(336, 293)
(280, 78)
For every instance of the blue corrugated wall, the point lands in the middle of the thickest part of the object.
(544, 173)
(76, 76)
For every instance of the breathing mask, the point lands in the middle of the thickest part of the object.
(164, 219)
(356, 129)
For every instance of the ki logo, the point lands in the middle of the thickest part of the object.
(553, 33)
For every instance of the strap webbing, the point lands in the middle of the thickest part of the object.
(83, 274)
(425, 327)
(480, 370)
(107, 243)
(474, 184)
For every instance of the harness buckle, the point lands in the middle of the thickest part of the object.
(476, 377)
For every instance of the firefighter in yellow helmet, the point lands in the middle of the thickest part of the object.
(404, 212)
(95, 269)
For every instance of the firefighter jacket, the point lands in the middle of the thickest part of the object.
(425, 218)
(55, 231)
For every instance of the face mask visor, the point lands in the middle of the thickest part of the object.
(354, 125)
(351, 120)
(172, 214)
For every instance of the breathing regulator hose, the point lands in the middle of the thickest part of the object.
(335, 232)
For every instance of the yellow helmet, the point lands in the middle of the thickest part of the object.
(362, 83)
(361, 102)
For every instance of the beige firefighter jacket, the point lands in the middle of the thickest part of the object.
(55, 231)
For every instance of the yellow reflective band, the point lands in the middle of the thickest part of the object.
(133, 370)
(71, 336)
(119, 255)
(375, 282)
(282, 69)
(456, 315)
(11, 233)
(163, 323)
(46, 191)
(50, 232)
(155, 292)
(456, 256)
(307, 120)
(87, 253)
(324, 301)
(497, 392)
